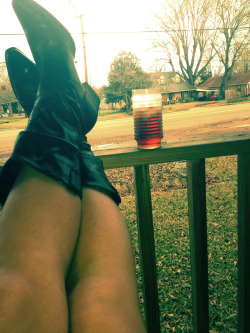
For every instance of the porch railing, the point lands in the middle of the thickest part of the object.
(195, 155)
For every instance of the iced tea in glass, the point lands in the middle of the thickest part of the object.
(147, 112)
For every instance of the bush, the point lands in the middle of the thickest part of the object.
(187, 100)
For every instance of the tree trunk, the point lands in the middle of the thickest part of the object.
(223, 86)
(128, 103)
(10, 110)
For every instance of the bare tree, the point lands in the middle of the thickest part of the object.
(242, 65)
(187, 41)
(232, 19)
(6, 93)
(3, 72)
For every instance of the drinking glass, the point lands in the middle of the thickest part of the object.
(147, 113)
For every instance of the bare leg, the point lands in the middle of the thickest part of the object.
(38, 231)
(103, 295)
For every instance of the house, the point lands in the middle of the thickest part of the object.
(237, 86)
(172, 86)
(8, 101)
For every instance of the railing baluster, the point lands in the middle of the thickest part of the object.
(147, 248)
(244, 243)
(198, 244)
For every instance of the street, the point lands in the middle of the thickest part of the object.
(106, 131)
(176, 120)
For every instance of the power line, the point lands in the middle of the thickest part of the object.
(160, 31)
(137, 32)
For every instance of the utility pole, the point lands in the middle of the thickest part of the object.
(84, 50)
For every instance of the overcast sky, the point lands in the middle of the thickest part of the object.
(102, 22)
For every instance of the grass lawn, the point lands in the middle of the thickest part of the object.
(172, 248)
(15, 122)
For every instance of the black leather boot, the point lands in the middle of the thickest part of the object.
(53, 50)
(23, 77)
(57, 125)
(24, 80)
(93, 175)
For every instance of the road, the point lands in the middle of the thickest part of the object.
(105, 131)
(189, 118)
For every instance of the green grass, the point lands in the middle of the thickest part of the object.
(239, 100)
(111, 114)
(9, 120)
(20, 122)
(173, 251)
(15, 122)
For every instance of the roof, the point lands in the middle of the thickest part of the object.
(236, 79)
(167, 75)
(170, 86)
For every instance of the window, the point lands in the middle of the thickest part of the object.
(3, 87)
(162, 80)
(177, 79)
(238, 88)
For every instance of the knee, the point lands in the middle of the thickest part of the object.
(27, 306)
(106, 300)
(15, 289)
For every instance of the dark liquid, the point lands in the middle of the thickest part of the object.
(148, 131)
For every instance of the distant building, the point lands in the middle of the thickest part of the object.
(237, 86)
(172, 86)
(8, 102)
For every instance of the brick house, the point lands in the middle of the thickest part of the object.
(237, 86)
(172, 86)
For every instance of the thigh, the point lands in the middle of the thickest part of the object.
(39, 225)
(103, 290)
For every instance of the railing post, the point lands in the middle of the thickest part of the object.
(198, 244)
(244, 243)
(147, 248)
